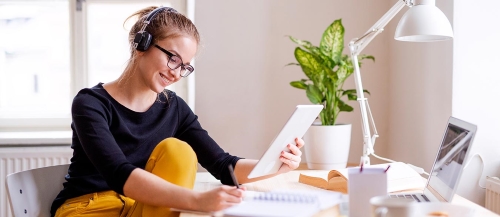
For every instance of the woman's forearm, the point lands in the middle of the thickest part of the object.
(148, 188)
(244, 167)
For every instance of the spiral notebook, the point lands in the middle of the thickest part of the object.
(280, 203)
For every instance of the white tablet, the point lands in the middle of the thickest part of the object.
(295, 127)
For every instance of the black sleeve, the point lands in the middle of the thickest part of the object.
(90, 121)
(210, 155)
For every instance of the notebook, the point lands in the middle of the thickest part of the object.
(278, 203)
(449, 163)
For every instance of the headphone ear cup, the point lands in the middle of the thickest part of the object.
(143, 40)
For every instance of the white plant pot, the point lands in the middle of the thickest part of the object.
(327, 147)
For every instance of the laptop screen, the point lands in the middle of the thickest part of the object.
(450, 160)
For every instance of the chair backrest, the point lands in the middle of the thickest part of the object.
(31, 192)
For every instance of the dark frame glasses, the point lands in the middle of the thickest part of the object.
(175, 62)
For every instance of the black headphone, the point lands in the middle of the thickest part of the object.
(143, 39)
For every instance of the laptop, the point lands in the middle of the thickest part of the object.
(449, 164)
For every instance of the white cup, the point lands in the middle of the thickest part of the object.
(363, 185)
(384, 206)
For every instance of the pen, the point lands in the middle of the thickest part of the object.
(235, 181)
(361, 167)
(387, 168)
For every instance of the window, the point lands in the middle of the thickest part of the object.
(34, 59)
(50, 49)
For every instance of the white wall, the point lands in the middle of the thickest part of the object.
(475, 83)
(243, 96)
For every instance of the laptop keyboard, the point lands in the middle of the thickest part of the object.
(410, 196)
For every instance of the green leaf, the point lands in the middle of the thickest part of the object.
(344, 107)
(292, 64)
(332, 41)
(328, 82)
(350, 91)
(306, 45)
(342, 74)
(310, 64)
(352, 94)
(327, 61)
(299, 84)
(314, 95)
(327, 69)
(364, 56)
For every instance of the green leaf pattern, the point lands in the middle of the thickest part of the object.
(327, 69)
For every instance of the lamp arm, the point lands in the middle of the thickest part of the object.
(356, 46)
(368, 142)
(360, 43)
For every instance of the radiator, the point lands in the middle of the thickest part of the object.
(492, 200)
(16, 159)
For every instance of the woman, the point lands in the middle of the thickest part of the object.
(137, 145)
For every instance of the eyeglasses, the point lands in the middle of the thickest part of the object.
(175, 62)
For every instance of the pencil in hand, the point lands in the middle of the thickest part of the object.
(235, 181)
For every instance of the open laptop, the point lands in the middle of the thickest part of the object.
(449, 164)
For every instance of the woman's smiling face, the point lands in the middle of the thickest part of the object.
(152, 65)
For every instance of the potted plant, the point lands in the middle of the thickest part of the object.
(326, 69)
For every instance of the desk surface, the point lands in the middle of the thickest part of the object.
(205, 181)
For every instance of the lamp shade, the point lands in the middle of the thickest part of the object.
(424, 22)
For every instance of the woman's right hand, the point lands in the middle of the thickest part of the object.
(219, 198)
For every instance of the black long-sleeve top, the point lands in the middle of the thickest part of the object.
(110, 140)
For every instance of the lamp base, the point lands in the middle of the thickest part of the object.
(365, 160)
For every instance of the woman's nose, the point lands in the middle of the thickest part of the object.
(176, 73)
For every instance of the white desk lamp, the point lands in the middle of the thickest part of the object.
(423, 22)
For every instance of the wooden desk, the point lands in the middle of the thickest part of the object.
(205, 181)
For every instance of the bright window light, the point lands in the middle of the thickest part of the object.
(50, 49)
(34, 59)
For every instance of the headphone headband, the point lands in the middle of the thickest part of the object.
(153, 13)
(142, 38)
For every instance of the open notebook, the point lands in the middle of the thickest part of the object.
(279, 203)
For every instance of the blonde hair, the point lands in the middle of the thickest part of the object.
(164, 25)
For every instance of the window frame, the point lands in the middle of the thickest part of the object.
(79, 64)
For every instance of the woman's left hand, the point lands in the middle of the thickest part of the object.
(291, 160)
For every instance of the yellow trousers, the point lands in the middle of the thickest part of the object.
(172, 160)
